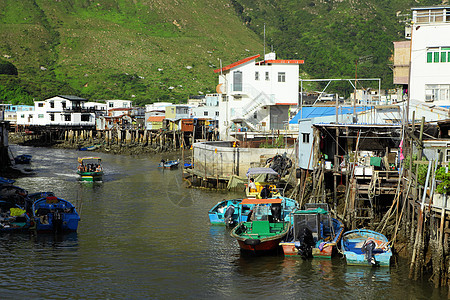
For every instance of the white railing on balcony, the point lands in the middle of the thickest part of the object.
(426, 16)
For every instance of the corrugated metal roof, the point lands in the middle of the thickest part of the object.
(322, 111)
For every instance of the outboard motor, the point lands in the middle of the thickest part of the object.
(57, 221)
(305, 243)
(276, 211)
(368, 248)
(228, 216)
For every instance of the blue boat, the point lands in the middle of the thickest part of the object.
(169, 164)
(226, 212)
(232, 212)
(4, 180)
(23, 159)
(54, 214)
(363, 247)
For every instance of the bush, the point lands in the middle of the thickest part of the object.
(7, 68)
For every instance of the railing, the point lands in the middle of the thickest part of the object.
(431, 16)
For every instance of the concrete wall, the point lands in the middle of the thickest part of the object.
(220, 158)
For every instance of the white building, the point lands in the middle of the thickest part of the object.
(256, 96)
(112, 104)
(209, 109)
(59, 110)
(430, 56)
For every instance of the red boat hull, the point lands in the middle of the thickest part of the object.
(269, 245)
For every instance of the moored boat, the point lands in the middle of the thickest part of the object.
(90, 168)
(265, 227)
(23, 159)
(13, 218)
(55, 214)
(232, 212)
(363, 247)
(313, 233)
(227, 213)
(169, 164)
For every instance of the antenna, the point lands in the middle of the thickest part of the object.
(264, 41)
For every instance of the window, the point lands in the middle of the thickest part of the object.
(447, 153)
(185, 110)
(437, 92)
(40, 104)
(438, 55)
(217, 113)
(281, 77)
(52, 104)
(22, 116)
(40, 116)
(205, 113)
(63, 104)
(110, 104)
(52, 117)
(255, 115)
(256, 75)
(237, 81)
(85, 118)
(267, 76)
(67, 118)
(305, 138)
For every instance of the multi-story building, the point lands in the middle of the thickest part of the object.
(61, 111)
(257, 95)
(429, 52)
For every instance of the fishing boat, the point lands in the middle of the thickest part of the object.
(90, 168)
(89, 148)
(262, 188)
(363, 247)
(13, 218)
(314, 233)
(264, 229)
(232, 212)
(23, 159)
(53, 214)
(169, 164)
(227, 212)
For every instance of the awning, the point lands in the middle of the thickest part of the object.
(261, 201)
(257, 171)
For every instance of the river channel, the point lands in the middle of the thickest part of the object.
(142, 235)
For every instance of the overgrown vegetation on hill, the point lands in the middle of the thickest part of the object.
(142, 50)
(151, 50)
(336, 38)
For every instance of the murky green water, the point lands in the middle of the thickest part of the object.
(142, 235)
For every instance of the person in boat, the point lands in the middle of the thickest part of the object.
(266, 192)
(98, 169)
(252, 185)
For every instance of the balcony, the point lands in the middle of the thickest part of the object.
(431, 15)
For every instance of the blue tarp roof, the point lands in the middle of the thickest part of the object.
(322, 111)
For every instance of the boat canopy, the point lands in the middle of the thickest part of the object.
(312, 211)
(81, 159)
(261, 201)
(257, 171)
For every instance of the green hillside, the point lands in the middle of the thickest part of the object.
(153, 50)
(336, 38)
(145, 50)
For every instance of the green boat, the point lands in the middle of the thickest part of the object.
(90, 169)
(265, 229)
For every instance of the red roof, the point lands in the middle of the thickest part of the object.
(281, 61)
(156, 118)
(235, 64)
